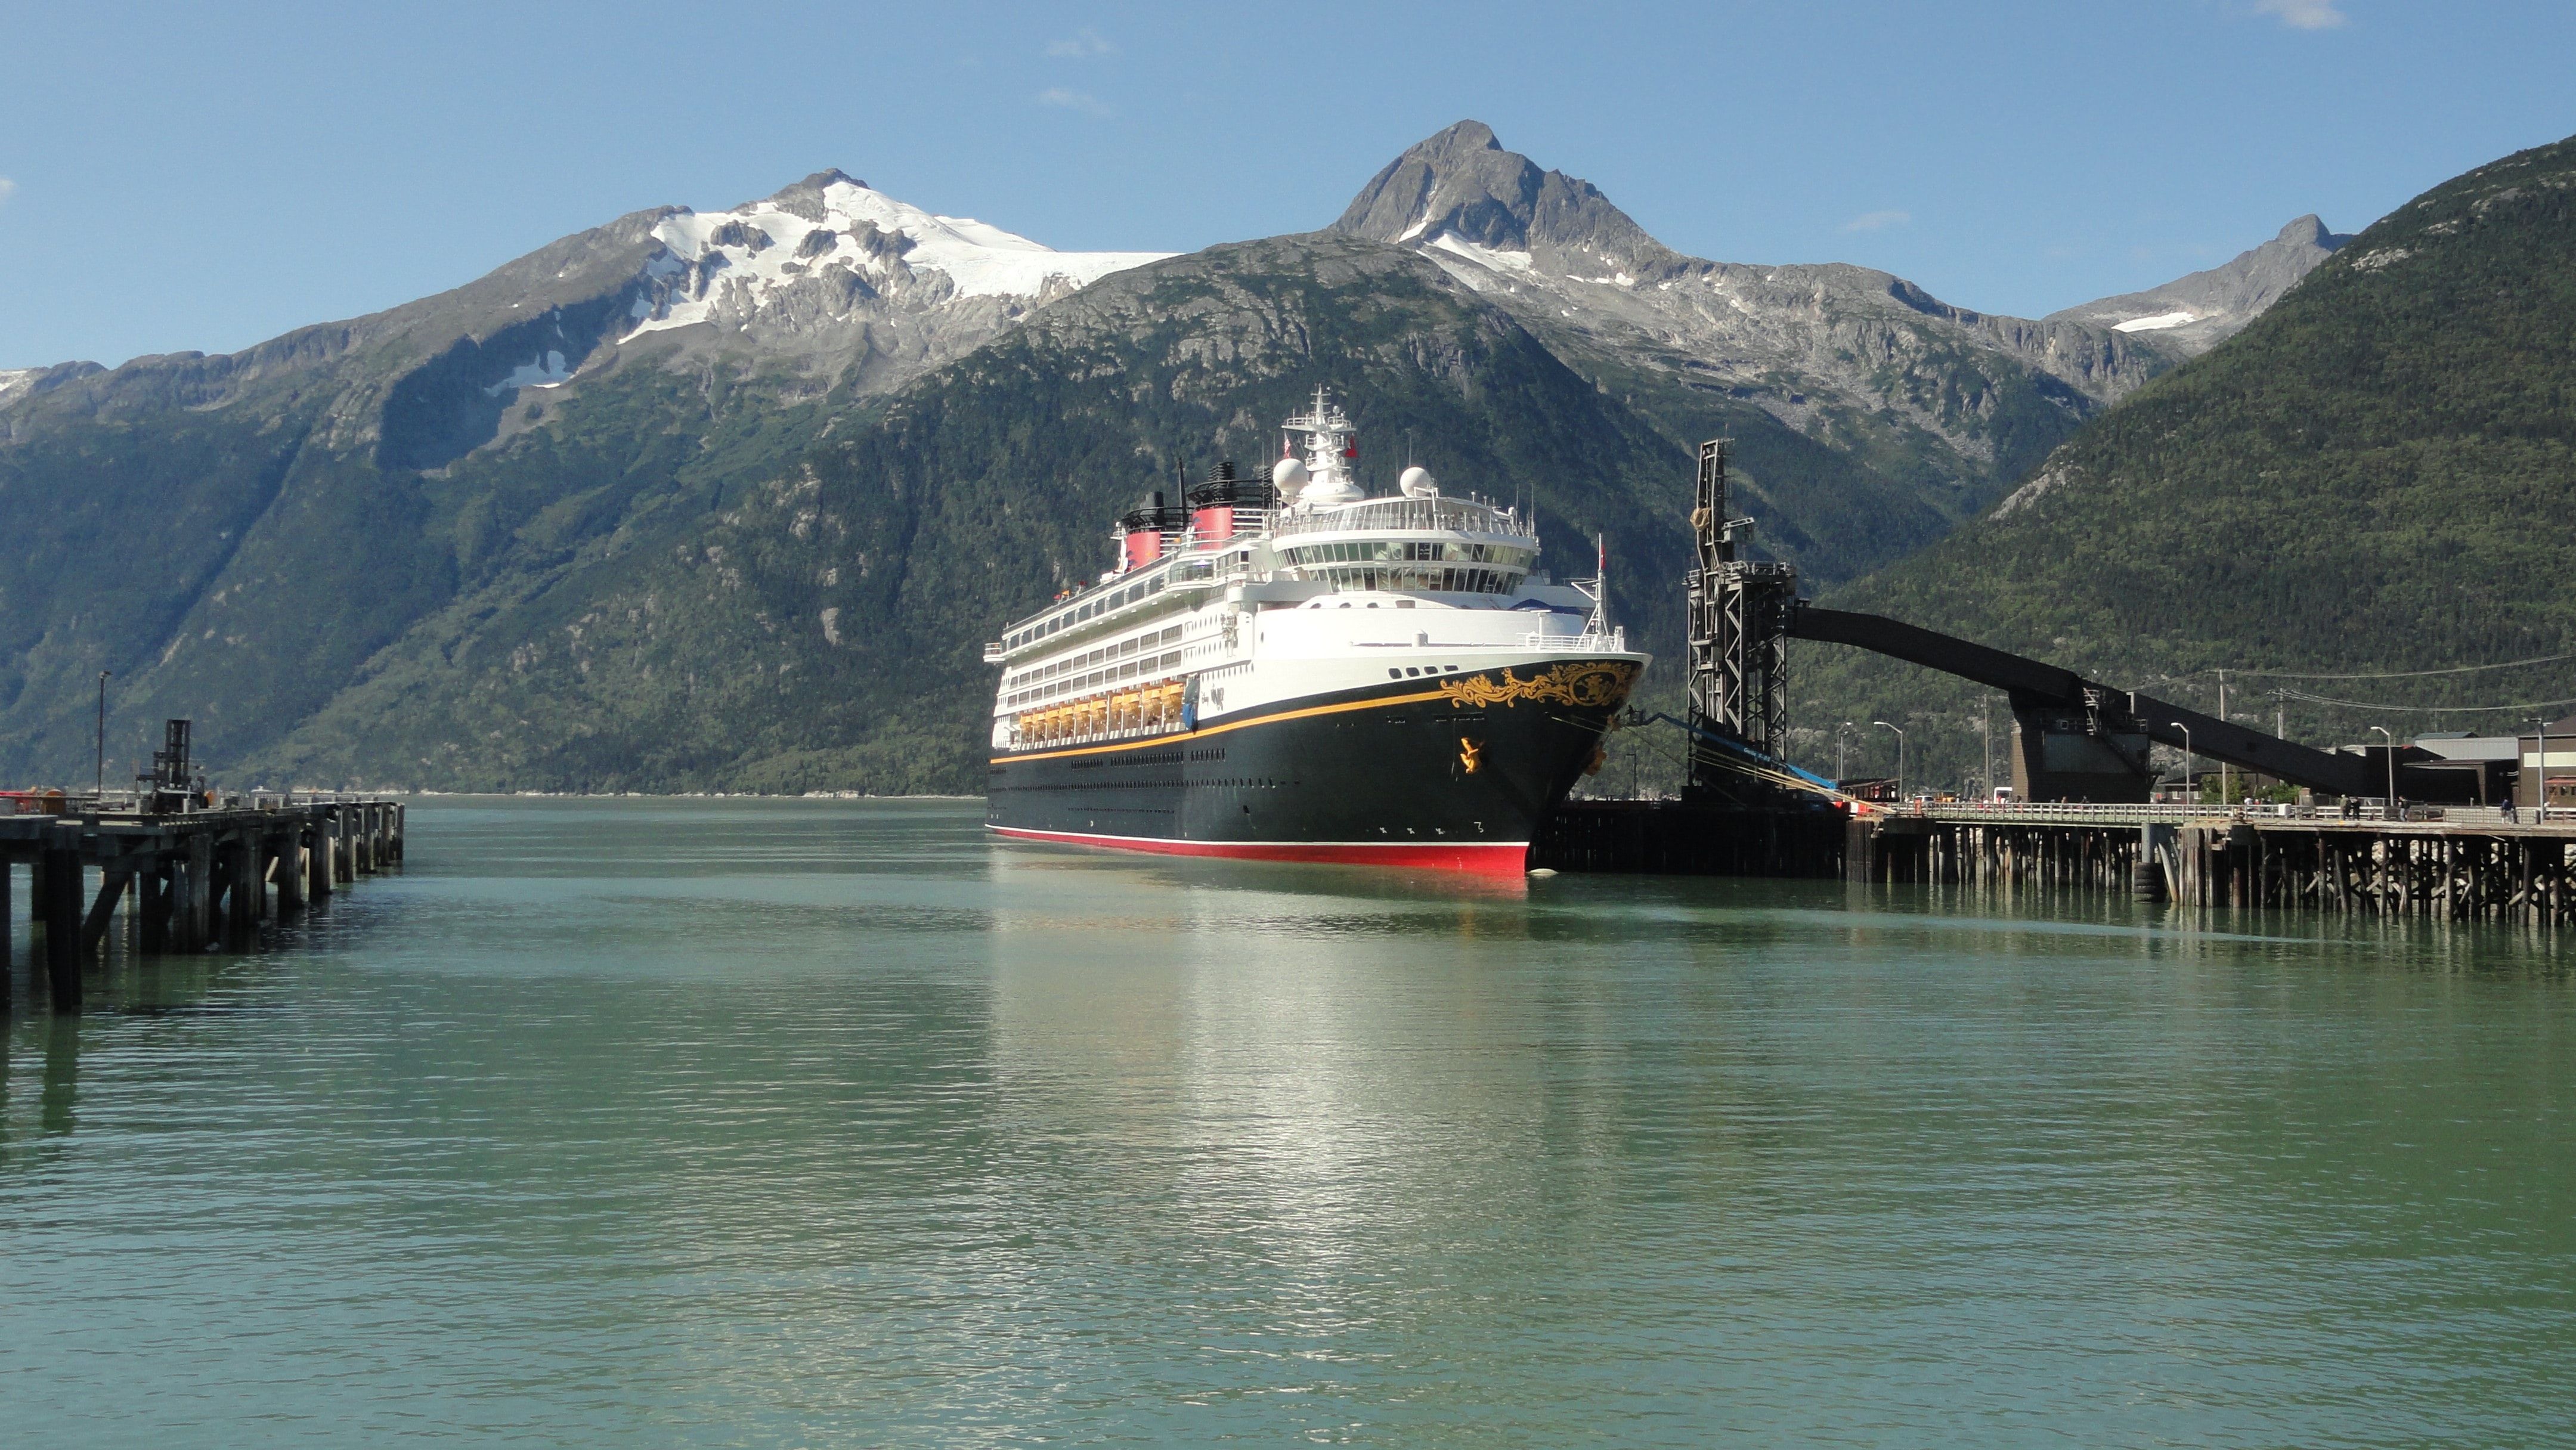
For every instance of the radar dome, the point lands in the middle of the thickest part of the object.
(1329, 489)
(1288, 475)
(1418, 483)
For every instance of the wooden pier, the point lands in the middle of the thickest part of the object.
(2469, 865)
(182, 880)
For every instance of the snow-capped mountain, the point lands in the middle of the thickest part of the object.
(832, 250)
(2194, 313)
(828, 280)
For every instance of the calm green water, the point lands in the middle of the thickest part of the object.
(827, 1123)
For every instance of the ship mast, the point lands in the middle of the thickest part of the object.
(1332, 452)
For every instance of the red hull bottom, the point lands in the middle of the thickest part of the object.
(1498, 858)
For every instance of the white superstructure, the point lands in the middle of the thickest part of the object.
(1257, 594)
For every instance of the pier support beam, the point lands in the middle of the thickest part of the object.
(287, 847)
(152, 908)
(241, 859)
(62, 921)
(113, 881)
(317, 860)
(197, 897)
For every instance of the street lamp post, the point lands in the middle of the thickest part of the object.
(2226, 787)
(1900, 756)
(1842, 733)
(2186, 758)
(100, 788)
(2388, 743)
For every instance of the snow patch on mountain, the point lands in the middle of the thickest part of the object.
(2156, 323)
(727, 263)
(548, 371)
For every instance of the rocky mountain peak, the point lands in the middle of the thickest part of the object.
(1460, 188)
(2309, 230)
(2194, 313)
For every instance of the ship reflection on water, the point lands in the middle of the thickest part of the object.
(1318, 1070)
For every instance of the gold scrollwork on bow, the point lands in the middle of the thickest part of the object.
(1592, 685)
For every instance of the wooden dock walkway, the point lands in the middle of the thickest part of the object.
(187, 879)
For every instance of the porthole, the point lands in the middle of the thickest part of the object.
(1394, 674)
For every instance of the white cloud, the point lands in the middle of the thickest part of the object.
(1088, 43)
(2302, 14)
(1877, 221)
(1083, 101)
(6, 186)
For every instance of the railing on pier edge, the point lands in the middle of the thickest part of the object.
(2090, 813)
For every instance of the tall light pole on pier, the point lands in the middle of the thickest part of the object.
(1842, 734)
(2186, 757)
(2388, 743)
(2226, 790)
(101, 787)
(2540, 765)
(1900, 756)
(1986, 746)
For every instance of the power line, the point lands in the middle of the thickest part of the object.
(2426, 709)
(2390, 675)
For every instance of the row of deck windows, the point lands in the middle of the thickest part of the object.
(1402, 551)
(1091, 610)
(1445, 581)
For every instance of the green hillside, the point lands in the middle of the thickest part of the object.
(2375, 476)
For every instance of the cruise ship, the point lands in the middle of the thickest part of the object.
(1287, 668)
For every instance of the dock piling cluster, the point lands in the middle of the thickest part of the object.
(185, 880)
(2459, 871)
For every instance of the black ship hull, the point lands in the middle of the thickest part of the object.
(1453, 773)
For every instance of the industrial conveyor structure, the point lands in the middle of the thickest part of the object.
(2074, 739)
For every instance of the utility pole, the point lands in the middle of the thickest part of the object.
(101, 787)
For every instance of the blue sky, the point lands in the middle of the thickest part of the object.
(205, 177)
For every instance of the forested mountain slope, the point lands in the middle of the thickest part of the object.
(823, 626)
(2375, 476)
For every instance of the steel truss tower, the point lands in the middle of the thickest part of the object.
(1739, 621)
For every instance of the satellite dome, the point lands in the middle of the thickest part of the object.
(1418, 483)
(1289, 474)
